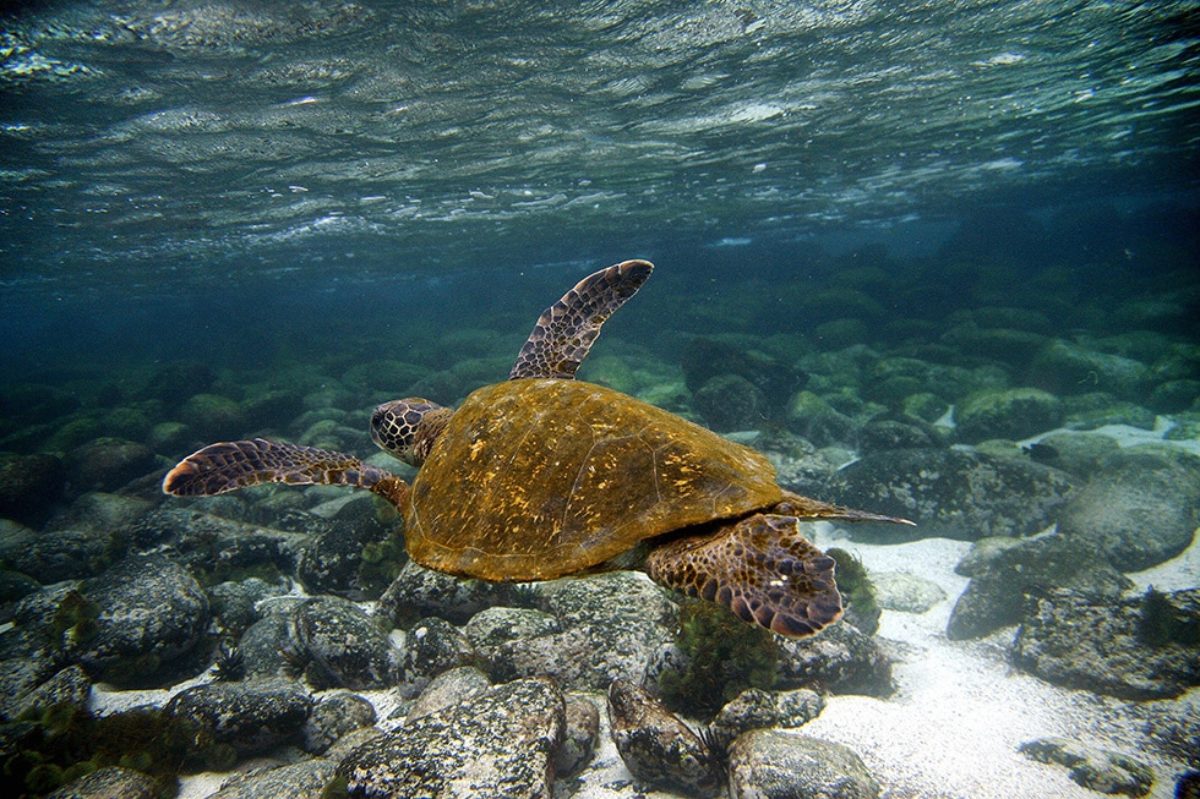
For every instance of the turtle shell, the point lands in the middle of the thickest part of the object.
(534, 479)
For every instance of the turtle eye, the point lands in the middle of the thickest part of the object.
(395, 425)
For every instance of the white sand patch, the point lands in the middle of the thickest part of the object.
(960, 711)
(1129, 436)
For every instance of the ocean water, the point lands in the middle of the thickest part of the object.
(935, 228)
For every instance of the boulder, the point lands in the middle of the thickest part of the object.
(731, 402)
(755, 709)
(657, 746)
(773, 764)
(996, 595)
(842, 658)
(1064, 367)
(106, 464)
(343, 644)
(251, 717)
(1012, 413)
(110, 782)
(1143, 647)
(610, 625)
(950, 493)
(1139, 510)
(333, 717)
(29, 486)
(498, 743)
(133, 619)
(1100, 770)
(906, 592)
(304, 780)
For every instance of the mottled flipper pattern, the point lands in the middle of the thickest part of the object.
(565, 331)
(761, 568)
(230, 465)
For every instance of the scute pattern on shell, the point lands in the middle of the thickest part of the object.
(535, 479)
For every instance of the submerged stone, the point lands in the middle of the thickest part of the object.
(657, 746)
(951, 493)
(1013, 413)
(333, 717)
(995, 597)
(111, 782)
(905, 592)
(134, 618)
(1141, 509)
(755, 708)
(303, 780)
(29, 486)
(1064, 367)
(251, 717)
(1098, 769)
(772, 764)
(1139, 648)
(498, 743)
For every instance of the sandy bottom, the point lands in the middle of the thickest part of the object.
(960, 711)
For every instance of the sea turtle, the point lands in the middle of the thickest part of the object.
(543, 476)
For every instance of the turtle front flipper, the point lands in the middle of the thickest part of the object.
(229, 465)
(565, 331)
(760, 567)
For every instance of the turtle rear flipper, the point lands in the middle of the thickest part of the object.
(565, 331)
(230, 465)
(761, 568)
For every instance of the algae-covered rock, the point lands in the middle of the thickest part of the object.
(995, 597)
(213, 416)
(334, 716)
(719, 657)
(251, 717)
(657, 746)
(950, 493)
(1141, 509)
(1013, 413)
(448, 688)
(1079, 454)
(811, 416)
(755, 708)
(418, 591)
(128, 622)
(773, 764)
(498, 743)
(110, 781)
(579, 737)
(1142, 647)
(611, 625)
(106, 464)
(29, 486)
(1098, 409)
(431, 647)
(893, 434)
(345, 646)
(1101, 770)
(906, 592)
(303, 780)
(731, 402)
(707, 357)
(842, 658)
(1064, 367)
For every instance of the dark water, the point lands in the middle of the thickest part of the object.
(304, 209)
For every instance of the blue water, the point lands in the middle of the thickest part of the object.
(231, 219)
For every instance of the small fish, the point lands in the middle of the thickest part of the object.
(1041, 453)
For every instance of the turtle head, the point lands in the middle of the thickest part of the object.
(407, 428)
